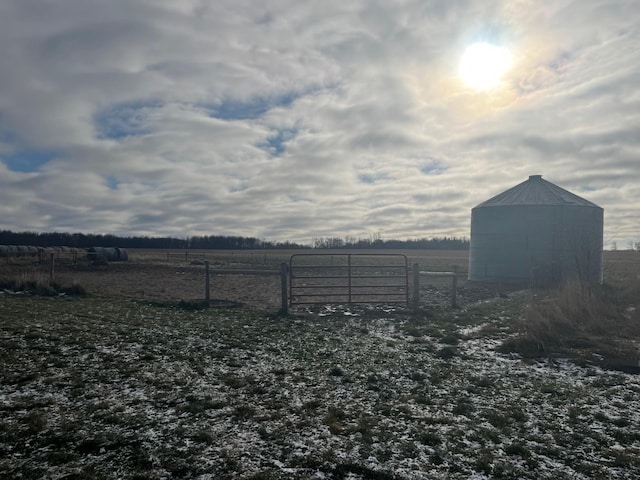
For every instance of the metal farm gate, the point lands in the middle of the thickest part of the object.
(330, 278)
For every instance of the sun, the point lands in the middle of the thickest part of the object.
(483, 64)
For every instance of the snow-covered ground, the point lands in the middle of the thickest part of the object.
(94, 389)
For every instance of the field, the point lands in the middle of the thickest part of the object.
(135, 380)
(179, 276)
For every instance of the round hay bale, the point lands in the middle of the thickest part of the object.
(4, 250)
(110, 254)
(100, 259)
(93, 252)
(123, 255)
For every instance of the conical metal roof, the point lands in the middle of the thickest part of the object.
(536, 191)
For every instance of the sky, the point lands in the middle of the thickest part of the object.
(291, 120)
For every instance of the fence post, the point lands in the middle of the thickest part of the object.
(349, 273)
(207, 283)
(454, 287)
(51, 268)
(283, 285)
(416, 287)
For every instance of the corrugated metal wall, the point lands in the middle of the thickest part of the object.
(536, 244)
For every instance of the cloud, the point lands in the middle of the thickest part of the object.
(290, 120)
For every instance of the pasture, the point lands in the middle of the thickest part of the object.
(135, 380)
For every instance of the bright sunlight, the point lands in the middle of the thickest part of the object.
(483, 64)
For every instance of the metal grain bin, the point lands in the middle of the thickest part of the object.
(536, 233)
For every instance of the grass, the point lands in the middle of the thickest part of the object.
(103, 387)
(597, 324)
(96, 387)
(36, 282)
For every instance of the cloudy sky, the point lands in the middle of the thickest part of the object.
(292, 120)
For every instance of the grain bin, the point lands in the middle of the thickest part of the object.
(536, 233)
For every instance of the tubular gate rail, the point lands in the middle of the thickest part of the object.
(321, 278)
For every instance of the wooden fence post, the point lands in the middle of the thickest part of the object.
(207, 283)
(284, 271)
(416, 287)
(51, 268)
(454, 287)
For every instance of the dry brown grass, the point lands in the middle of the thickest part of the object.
(37, 282)
(597, 324)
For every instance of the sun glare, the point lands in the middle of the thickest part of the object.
(483, 65)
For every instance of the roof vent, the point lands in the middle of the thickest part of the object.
(535, 177)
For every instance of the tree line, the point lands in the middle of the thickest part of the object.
(84, 240)
(436, 243)
(218, 242)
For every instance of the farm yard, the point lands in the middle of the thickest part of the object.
(179, 275)
(136, 380)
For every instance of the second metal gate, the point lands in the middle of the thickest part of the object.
(325, 278)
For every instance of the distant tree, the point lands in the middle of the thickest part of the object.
(443, 243)
(221, 242)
